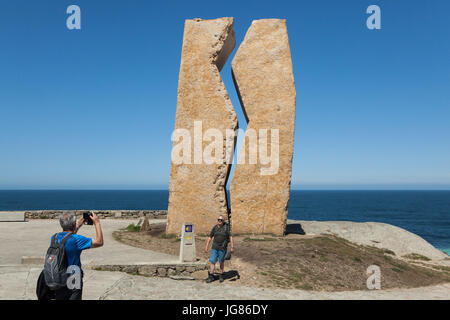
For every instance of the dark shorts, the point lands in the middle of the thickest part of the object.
(67, 294)
(70, 294)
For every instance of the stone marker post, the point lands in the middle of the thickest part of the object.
(187, 246)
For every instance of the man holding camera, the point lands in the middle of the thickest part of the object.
(74, 245)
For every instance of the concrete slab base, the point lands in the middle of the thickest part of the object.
(33, 260)
(12, 216)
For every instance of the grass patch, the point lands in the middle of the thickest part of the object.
(305, 286)
(442, 268)
(379, 250)
(133, 228)
(259, 239)
(202, 235)
(168, 236)
(416, 256)
(296, 275)
(387, 251)
(249, 235)
(399, 265)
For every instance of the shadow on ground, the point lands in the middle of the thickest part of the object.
(294, 228)
(231, 275)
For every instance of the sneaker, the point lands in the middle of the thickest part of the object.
(210, 278)
(221, 278)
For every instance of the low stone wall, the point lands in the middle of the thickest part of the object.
(188, 270)
(102, 214)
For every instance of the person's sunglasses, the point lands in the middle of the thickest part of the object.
(219, 219)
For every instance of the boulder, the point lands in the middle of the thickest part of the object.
(264, 79)
(197, 185)
(145, 227)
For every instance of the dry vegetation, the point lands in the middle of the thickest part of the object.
(301, 262)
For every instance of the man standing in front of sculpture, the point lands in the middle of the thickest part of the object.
(221, 235)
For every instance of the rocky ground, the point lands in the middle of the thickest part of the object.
(20, 283)
(31, 238)
(322, 262)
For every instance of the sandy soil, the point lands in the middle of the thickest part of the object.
(320, 263)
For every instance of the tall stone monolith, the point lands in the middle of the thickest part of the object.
(263, 75)
(204, 113)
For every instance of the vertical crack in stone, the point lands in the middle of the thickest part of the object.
(197, 191)
(263, 76)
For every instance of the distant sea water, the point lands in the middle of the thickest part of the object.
(425, 213)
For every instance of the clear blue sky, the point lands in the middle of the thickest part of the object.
(95, 108)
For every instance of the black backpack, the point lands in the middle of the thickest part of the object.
(55, 266)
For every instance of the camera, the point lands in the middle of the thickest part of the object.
(87, 218)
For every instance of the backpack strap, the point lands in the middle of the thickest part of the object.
(227, 229)
(54, 239)
(63, 242)
(214, 230)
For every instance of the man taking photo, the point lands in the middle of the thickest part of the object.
(74, 244)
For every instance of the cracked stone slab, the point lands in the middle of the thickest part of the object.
(197, 189)
(263, 75)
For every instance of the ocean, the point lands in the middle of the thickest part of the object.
(425, 213)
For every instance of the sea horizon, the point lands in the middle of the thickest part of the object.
(423, 212)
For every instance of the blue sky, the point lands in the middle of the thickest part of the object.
(95, 108)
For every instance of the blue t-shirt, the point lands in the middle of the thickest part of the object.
(74, 245)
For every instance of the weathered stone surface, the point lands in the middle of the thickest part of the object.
(190, 269)
(172, 272)
(145, 225)
(148, 270)
(197, 189)
(262, 70)
(180, 268)
(130, 269)
(161, 272)
(380, 235)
